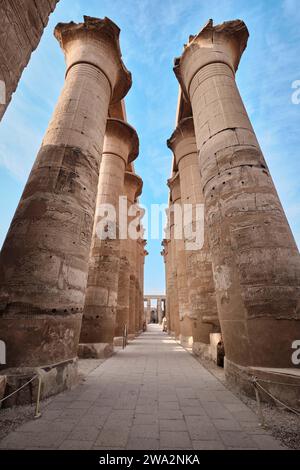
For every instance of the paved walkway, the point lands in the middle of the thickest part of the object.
(152, 395)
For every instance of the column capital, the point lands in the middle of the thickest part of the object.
(174, 185)
(183, 140)
(96, 42)
(134, 185)
(224, 43)
(121, 139)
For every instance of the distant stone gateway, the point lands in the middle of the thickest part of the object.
(66, 293)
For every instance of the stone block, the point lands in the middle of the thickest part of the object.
(214, 339)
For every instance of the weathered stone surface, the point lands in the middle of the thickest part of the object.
(54, 379)
(22, 23)
(137, 396)
(180, 269)
(256, 262)
(95, 350)
(132, 189)
(99, 318)
(198, 267)
(122, 315)
(44, 259)
(3, 381)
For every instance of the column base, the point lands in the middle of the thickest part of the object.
(118, 340)
(215, 339)
(95, 350)
(131, 337)
(55, 379)
(3, 381)
(202, 350)
(186, 341)
(282, 383)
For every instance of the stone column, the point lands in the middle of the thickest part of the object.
(185, 325)
(137, 288)
(122, 316)
(148, 310)
(173, 285)
(132, 189)
(99, 317)
(201, 289)
(256, 262)
(22, 24)
(138, 242)
(142, 255)
(44, 259)
(141, 293)
(159, 312)
(164, 307)
(166, 253)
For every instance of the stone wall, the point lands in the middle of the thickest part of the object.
(22, 24)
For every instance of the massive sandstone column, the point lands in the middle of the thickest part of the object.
(120, 147)
(174, 327)
(159, 312)
(132, 189)
(256, 262)
(138, 274)
(144, 253)
(148, 315)
(141, 259)
(201, 290)
(166, 255)
(185, 325)
(22, 23)
(44, 259)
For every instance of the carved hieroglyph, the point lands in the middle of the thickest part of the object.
(256, 262)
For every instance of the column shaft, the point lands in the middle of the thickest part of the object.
(185, 323)
(22, 25)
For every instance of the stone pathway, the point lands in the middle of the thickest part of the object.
(153, 395)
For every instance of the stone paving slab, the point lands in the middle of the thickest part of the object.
(152, 395)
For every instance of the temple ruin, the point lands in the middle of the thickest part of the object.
(71, 286)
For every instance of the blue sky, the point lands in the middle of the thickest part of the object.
(152, 34)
